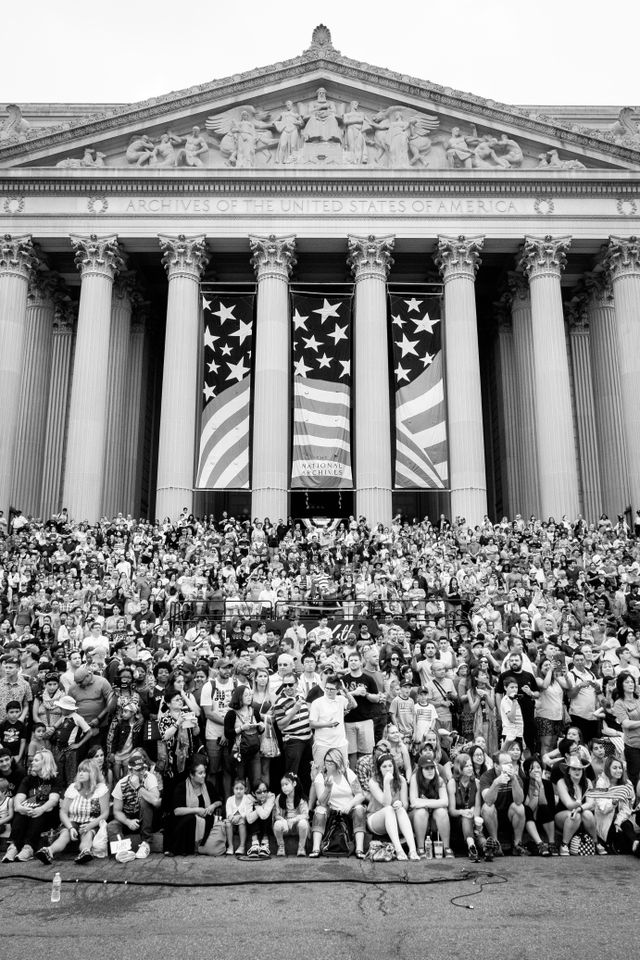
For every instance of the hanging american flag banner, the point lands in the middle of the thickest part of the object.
(321, 457)
(223, 458)
(421, 428)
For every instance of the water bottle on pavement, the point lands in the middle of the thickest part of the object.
(55, 888)
(428, 849)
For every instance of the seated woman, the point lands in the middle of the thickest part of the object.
(464, 801)
(429, 805)
(291, 814)
(431, 747)
(539, 806)
(35, 807)
(337, 790)
(574, 808)
(387, 813)
(84, 805)
(259, 820)
(398, 750)
(194, 806)
(614, 811)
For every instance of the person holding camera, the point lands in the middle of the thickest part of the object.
(326, 718)
(502, 805)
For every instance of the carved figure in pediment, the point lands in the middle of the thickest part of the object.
(509, 151)
(90, 158)
(355, 126)
(322, 125)
(289, 125)
(458, 151)
(242, 135)
(485, 156)
(195, 147)
(402, 142)
(552, 161)
(165, 154)
(15, 127)
(140, 150)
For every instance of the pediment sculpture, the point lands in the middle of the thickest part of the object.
(322, 132)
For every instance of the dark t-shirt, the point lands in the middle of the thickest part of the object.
(37, 790)
(505, 793)
(11, 733)
(14, 776)
(364, 708)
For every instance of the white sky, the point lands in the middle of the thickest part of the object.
(536, 52)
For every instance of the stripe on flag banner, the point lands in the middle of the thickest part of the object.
(223, 458)
(321, 454)
(421, 430)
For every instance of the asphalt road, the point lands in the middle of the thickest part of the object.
(228, 910)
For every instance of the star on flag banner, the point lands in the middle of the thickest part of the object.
(223, 457)
(321, 341)
(421, 429)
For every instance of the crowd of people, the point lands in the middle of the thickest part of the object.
(222, 687)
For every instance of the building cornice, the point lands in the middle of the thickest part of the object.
(36, 182)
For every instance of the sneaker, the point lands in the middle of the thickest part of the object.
(472, 852)
(84, 857)
(489, 849)
(254, 850)
(497, 849)
(280, 852)
(543, 850)
(414, 855)
(264, 849)
(143, 851)
(601, 850)
(449, 854)
(44, 856)
(564, 850)
(25, 854)
(11, 853)
(519, 851)
(553, 850)
(125, 856)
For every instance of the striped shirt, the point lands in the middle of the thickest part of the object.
(298, 728)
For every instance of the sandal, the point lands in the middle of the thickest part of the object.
(360, 855)
(314, 853)
(301, 853)
(281, 852)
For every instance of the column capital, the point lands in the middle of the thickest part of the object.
(575, 311)
(623, 257)
(45, 287)
(517, 287)
(458, 257)
(273, 256)
(598, 287)
(370, 256)
(16, 256)
(544, 256)
(126, 287)
(97, 256)
(184, 256)
(65, 315)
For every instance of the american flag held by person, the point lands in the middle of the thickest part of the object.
(321, 457)
(223, 458)
(421, 429)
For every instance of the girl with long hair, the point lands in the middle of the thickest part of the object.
(387, 811)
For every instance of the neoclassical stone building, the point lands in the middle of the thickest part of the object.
(333, 178)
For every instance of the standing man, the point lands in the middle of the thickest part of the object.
(14, 687)
(291, 713)
(527, 695)
(358, 721)
(214, 701)
(326, 718)
(379, 710)
(95, 700)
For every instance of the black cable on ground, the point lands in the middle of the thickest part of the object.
(496, 879)
(404, 880)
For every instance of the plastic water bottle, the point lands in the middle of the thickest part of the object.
(55, 888)
(428, 849)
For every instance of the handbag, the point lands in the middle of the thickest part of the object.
(338, 840)
(100, 841)
(582, 845)
(215, 845)
(380, 852)
(268, 742)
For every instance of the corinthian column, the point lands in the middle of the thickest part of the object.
(112, 490)
(57, 408)
(16, 257)
(526, 394)
(135, 396)
(609, 420)
(370, 260)
(34, 393)
(505, 363)
(184, 259)
(273, 259)
(543, 260)
(623, 263)
(98, 259)
(589, 469)
(458, 260)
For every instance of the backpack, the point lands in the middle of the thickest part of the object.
(338, 840)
